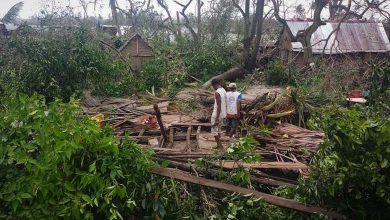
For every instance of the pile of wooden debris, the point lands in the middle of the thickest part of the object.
(286, 151)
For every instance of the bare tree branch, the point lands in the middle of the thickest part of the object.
(165, 7)
(336, 30)
(187, 20)
(236, 5)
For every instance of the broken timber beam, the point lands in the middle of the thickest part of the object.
(275, 200)
(261, 165)
(185, 166)
(171, 133)
(191, 124)
(160, 123)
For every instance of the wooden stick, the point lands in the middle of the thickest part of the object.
(197, 137)
(160, 123)
(189, 131)
(279, 201)
(141, 133)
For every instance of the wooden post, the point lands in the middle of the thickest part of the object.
(197, 137)
(160, 123)
(189, 130)
(171, 132)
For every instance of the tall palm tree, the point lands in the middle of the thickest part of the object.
(12, 14)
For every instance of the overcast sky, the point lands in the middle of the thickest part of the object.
(33, 7)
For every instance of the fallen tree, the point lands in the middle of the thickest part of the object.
(231, 74)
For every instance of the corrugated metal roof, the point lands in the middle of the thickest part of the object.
(351, 38)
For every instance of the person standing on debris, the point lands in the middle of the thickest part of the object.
(219, 111)
(233, 107)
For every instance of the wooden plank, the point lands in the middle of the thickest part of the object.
(261, 165)
(171, 133)
(141, 133)
(191, 124)
(271, 182)
(279, 201)
(144, 139)
(181, 164)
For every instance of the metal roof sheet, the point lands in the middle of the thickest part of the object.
(352, 37)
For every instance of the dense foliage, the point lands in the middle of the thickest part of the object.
(379, 97)
(60, 64)
(208, 60)
(54, 163)
(351, 171)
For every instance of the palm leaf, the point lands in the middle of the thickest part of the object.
(12, 13)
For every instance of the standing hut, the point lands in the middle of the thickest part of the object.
(138, 51)
(361, 39)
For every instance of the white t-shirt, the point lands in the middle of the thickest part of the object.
(232, 98)
(222, 115)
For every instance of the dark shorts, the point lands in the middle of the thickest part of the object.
(232, 123)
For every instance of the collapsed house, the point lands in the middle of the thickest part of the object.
(361, 39)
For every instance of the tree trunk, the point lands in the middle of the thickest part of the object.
(199, 9)
(231, 74)
(178, 25)
(115, 16)
(308, 33)
(259, 27)
(257, 24)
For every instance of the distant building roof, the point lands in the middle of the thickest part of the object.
(135, 36)
(10, 26)
(352, 37)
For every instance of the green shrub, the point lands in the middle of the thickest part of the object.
(379, 89)
(56, 164)
(351, 170)
(277, 73)
(152, 75)
(207, 61)
(59, 63)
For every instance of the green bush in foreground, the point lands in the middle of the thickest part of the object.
(54, 163)
(351, 170)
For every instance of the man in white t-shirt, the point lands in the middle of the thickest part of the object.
(219, 111)
(233, 107)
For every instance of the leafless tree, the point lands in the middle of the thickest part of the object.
(174, 29)
(359, 8)
(196, 35)
(252, 31)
